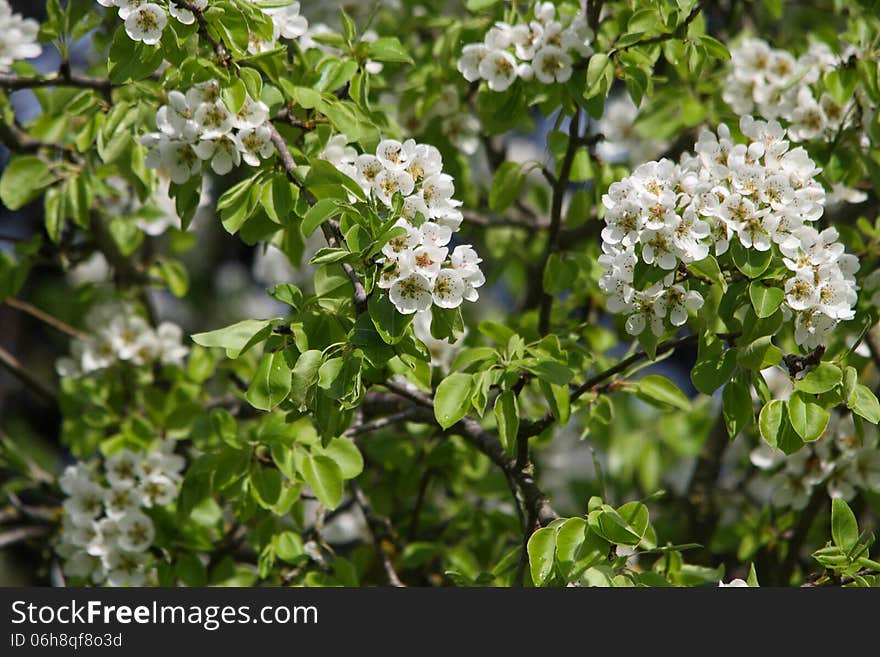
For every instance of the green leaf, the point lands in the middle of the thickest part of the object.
(324, 477)
(507, 418)
(305, 375)
(289, 294)
(713, 370)
(772, 421)
(266, 483)
(844, 528)
(388, 49)
(479, 5)
(24, 178)
(446, 323)
(289, 546)
(346, 455)
(175, 275)
(759, 354)
(708, 267)
(558, 399)
(238, 203)
(506, 186)
(325, 209)
(823, 378)
(613, 528)
(131, 60)
(807, 418)
(660, 391)
(559, 274)
(237, 338)
(453, 398)
(550, 371)
(542, 553)
(714, 47)
(737, 407)
(750, 262)
(278, 197)
(271, 383)
(600, 72)
(863, 402)
(765, 300)
(389, 322)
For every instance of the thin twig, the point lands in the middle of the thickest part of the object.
(329, 228)
(560, 186)
(381, 530)
(43, 390)
(44, 317)
(381, 423)
(198, 13)
(19, 534)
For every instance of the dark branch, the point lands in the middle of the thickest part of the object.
(560, 186)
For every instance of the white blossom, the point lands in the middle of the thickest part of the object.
(18, 37)
(145, 23)
(759, 195)
(541, 48)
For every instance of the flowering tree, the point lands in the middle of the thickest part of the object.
(426, 294)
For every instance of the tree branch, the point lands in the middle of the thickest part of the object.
(220, 50)
(42, 390)
(487, 443)
(44, 317)
(329, 228)
(560, 186)
(381, 530)
(64, 78)
(19, 534)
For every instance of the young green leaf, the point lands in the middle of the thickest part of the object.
(660, 391)
(324, 477)
(737, 407)
(271, 383)
(453, 398)
(237, 338)
(844, 528)
(765, 300)
(542, 554)
(507, 418)
(807, 418)
(825, 377)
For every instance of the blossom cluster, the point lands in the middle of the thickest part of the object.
(762, 195)
(197, 126)
(287, 23)
(620, 140)
(106, 534)
(18, 37)
(418, 269)
(841, 459)
(773, 84)
(538, 49)
(145, 21)
(117, 334)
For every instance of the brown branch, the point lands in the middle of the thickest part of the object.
(44, 317)
(381, 530)
(19, 534)
(486, 442)
(329, 228)
(560, 186)
(64, 78)
(220, 50)
(42, 390)
(381, 423)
